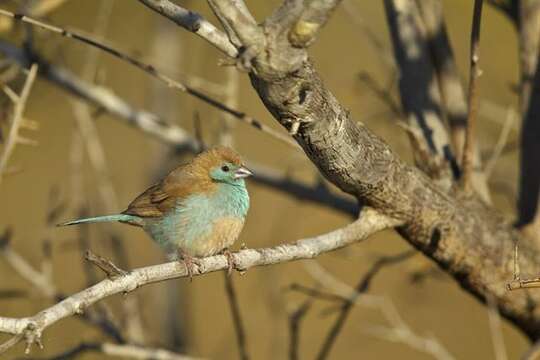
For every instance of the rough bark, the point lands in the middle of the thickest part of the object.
(469, 240)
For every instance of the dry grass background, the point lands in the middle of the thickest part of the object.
(436, 306)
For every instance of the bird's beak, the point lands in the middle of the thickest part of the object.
(242, 172)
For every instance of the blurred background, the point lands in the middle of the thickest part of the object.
(195, 318)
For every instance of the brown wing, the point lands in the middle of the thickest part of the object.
(163, 196)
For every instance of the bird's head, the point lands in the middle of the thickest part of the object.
(224, 165)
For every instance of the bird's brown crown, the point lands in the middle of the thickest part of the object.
(215, 157)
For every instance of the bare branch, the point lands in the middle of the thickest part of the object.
(295, 320)
(123, 351)
(509, 123)
(103, 98)
(110, 269)
(13, 137)
(237, 317)
(236, 17)
(529, 178)
(470, 135)
(397, 330)
(152, 124)
(47, 288)
(496, 330)
(362, 287)
(31, 328)
(151, 70)
(452, 93)
(193, 22)
(419, 90)
(39, 280)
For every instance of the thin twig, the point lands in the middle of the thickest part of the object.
(362, 287)
(294, 328)
(151, 70)
(470, 136)
(237, 317)
(501, 142)
(13, 136)
(496, 331)
(47, 288)
(193, 22)
(398, 331)
(109, 268)
(122, 351)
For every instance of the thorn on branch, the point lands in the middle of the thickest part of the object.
(111, 270)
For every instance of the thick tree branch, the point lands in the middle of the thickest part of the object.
(31, 328)
(468, 239)
(193, 22)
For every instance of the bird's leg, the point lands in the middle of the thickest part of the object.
(230, 261)
(189, 262)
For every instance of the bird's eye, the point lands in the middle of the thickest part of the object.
(225, 168)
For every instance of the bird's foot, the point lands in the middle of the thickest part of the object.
(189, 262)
(231, 261)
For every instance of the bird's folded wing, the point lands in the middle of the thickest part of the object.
(160, 198)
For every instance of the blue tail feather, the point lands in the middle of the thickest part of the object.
(105, 218)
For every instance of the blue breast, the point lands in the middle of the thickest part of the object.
(193, 216)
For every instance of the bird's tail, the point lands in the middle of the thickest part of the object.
(105, 218)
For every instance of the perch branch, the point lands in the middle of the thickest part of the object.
(31, 328)
(122, 351)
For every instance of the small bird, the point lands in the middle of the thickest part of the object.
(197, 210)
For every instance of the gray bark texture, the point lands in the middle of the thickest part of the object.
(467, 238)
